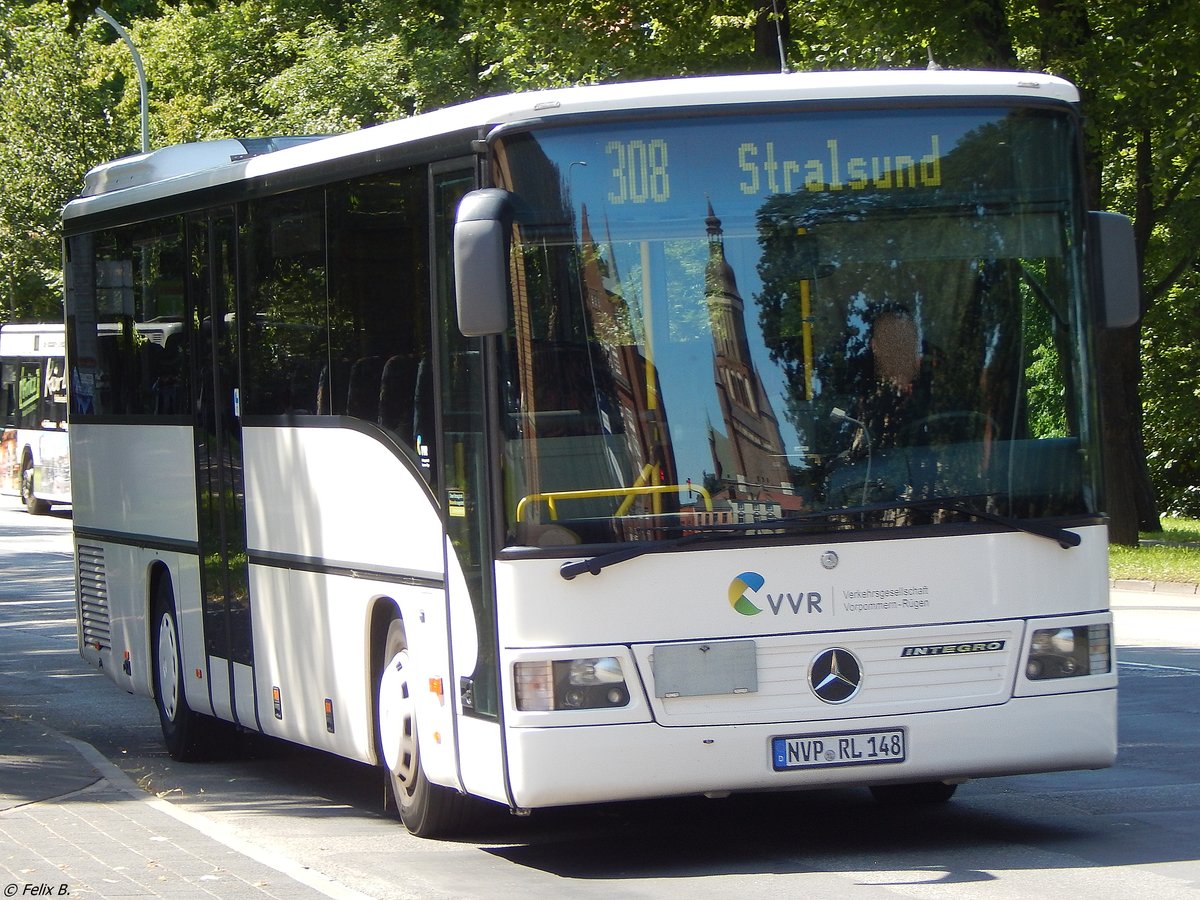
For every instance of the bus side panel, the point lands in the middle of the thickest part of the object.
(51, 465)
(330, 501)
(135, 479)
(118, 620)
(118, 631)
(339, 496)
(10, 464)
(311, 640)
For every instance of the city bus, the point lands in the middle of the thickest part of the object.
(35, 461)
(688, 437)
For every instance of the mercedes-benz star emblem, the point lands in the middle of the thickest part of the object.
(835, 675)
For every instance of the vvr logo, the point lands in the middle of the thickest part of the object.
(749, 583)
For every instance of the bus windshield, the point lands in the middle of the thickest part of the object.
(733, 320)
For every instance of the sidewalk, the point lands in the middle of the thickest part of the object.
(73, 824)
(1155, 587)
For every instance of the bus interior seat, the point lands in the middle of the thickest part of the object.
(362, 394)
(398, 396)
(328, 384)
(565, 402)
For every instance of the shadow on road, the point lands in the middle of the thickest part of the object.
(37, 575)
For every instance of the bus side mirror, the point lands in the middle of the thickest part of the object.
(481, 239)
(1120, 292)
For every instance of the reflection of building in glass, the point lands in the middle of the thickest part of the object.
(751, 467)
(634, 380)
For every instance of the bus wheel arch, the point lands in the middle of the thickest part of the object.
(425, 808)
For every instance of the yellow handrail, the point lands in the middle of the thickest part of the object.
(648, 475)
(552, 497)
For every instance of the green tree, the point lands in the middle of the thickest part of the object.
(54, 122)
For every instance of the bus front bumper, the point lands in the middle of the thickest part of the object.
(572, 765)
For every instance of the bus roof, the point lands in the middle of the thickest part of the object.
(32, 339)
(191, 167)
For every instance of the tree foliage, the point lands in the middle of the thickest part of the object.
(54, 125)
(68, 100)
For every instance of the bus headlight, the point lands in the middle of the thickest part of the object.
(1070, 651)
(592, 683)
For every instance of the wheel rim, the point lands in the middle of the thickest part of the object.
(168, 667)
(26, 484)
(397, 721)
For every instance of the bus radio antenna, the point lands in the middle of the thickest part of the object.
(783, 63)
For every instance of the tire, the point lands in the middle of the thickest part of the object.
(184, 731)
(426, 809)
(33, 505)
(925, 793)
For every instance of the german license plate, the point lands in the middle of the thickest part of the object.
(839, 748)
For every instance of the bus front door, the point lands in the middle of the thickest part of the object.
(462, 461)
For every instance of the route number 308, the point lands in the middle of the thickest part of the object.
(639, 171)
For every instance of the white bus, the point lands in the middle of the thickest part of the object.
(629, 441)
(35, 460)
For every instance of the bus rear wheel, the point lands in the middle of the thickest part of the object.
(183, 730)
(426, 809)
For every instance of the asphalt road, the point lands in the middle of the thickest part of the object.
(1132, 830)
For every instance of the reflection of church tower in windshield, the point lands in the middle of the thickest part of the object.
(635, 383)
(750, 454)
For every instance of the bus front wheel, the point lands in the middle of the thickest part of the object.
(33, 505)
(426, 809)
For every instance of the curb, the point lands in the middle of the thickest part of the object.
(218, 832)
(1174, 588)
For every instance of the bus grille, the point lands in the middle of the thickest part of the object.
(93, 598)
(900, 675)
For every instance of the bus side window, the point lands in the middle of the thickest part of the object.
(55, 397)
(29, 391)
(8, 395)
(423, 424)
(379, 308)
(170, 385)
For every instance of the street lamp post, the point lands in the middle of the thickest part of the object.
(141, 75)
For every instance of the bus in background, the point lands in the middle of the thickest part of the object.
(35, 461)
(615, 442)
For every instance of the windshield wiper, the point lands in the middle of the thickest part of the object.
(633, 551)
(825, 518)
(1065, 539)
